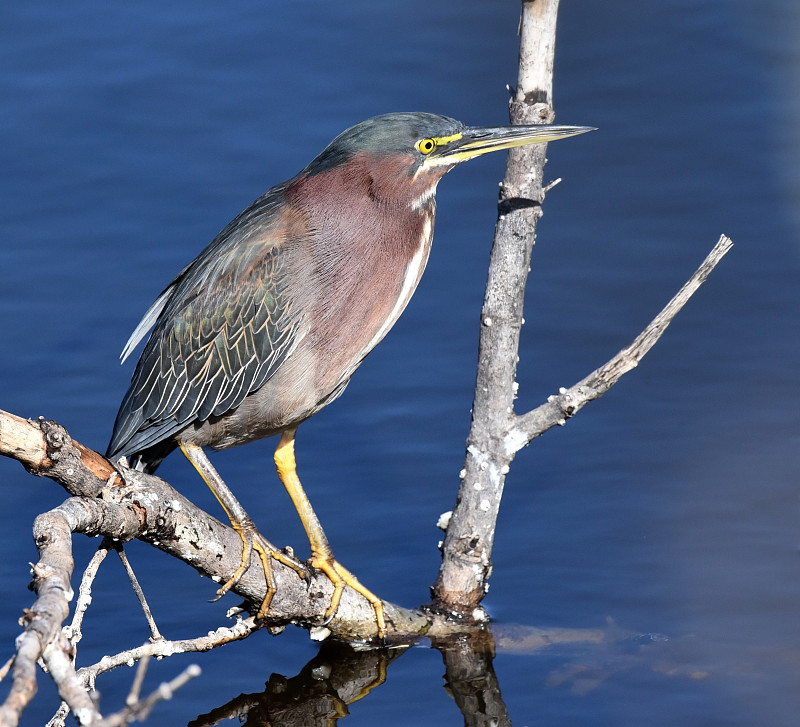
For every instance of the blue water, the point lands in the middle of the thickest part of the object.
(132, 132)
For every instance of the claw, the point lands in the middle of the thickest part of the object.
(243, 525)
(321, 554)
(341, 577)
(253, 540)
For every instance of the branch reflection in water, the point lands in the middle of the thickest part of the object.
(340, 675)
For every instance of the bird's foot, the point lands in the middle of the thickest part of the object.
(253, 540)
(341, 577)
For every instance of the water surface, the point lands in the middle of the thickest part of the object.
(132, 133)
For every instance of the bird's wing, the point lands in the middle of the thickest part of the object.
(149, 319)
(147, 322)
(223, 327)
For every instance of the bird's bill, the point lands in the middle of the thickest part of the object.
(473, 142)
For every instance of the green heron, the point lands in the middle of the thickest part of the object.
(267, 325)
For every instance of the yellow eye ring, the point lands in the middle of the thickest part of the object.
(426, 146)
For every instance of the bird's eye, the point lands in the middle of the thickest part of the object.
(426, 146)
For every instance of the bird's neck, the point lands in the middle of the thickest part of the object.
(368, 206)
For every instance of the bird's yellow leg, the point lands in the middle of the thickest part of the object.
(244, 527)
(321, 554)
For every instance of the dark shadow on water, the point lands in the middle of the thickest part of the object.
(340, 675)
(320, 694)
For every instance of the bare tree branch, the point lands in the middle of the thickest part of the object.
(465, 569)
(134, 505)
(559, 407)
(138, 710)
(41, 637)
(152, 511)
(58, 657)
(497, 433)
(123, 507)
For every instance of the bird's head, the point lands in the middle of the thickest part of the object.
(422, 147)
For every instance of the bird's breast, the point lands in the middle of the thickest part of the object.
(366, 256)
(362, 297)
(414, 268)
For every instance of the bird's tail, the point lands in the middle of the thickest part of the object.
(148, 460)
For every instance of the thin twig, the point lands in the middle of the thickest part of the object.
(6, 668)
(140, 710)
(74, 630)
(138, 680)
(155, 634)
(59, 719)
(162, 648)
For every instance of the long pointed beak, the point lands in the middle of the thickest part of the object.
(474, 141)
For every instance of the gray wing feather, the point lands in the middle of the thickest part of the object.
(148, 321)
(222, 329)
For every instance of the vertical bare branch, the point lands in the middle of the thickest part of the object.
(497, 433)
(468, 544)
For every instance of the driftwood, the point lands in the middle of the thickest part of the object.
(120, 504)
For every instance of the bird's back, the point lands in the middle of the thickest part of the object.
(224, 327)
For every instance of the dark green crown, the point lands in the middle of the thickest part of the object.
(388, 133)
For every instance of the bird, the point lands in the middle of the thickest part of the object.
(266, 326)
